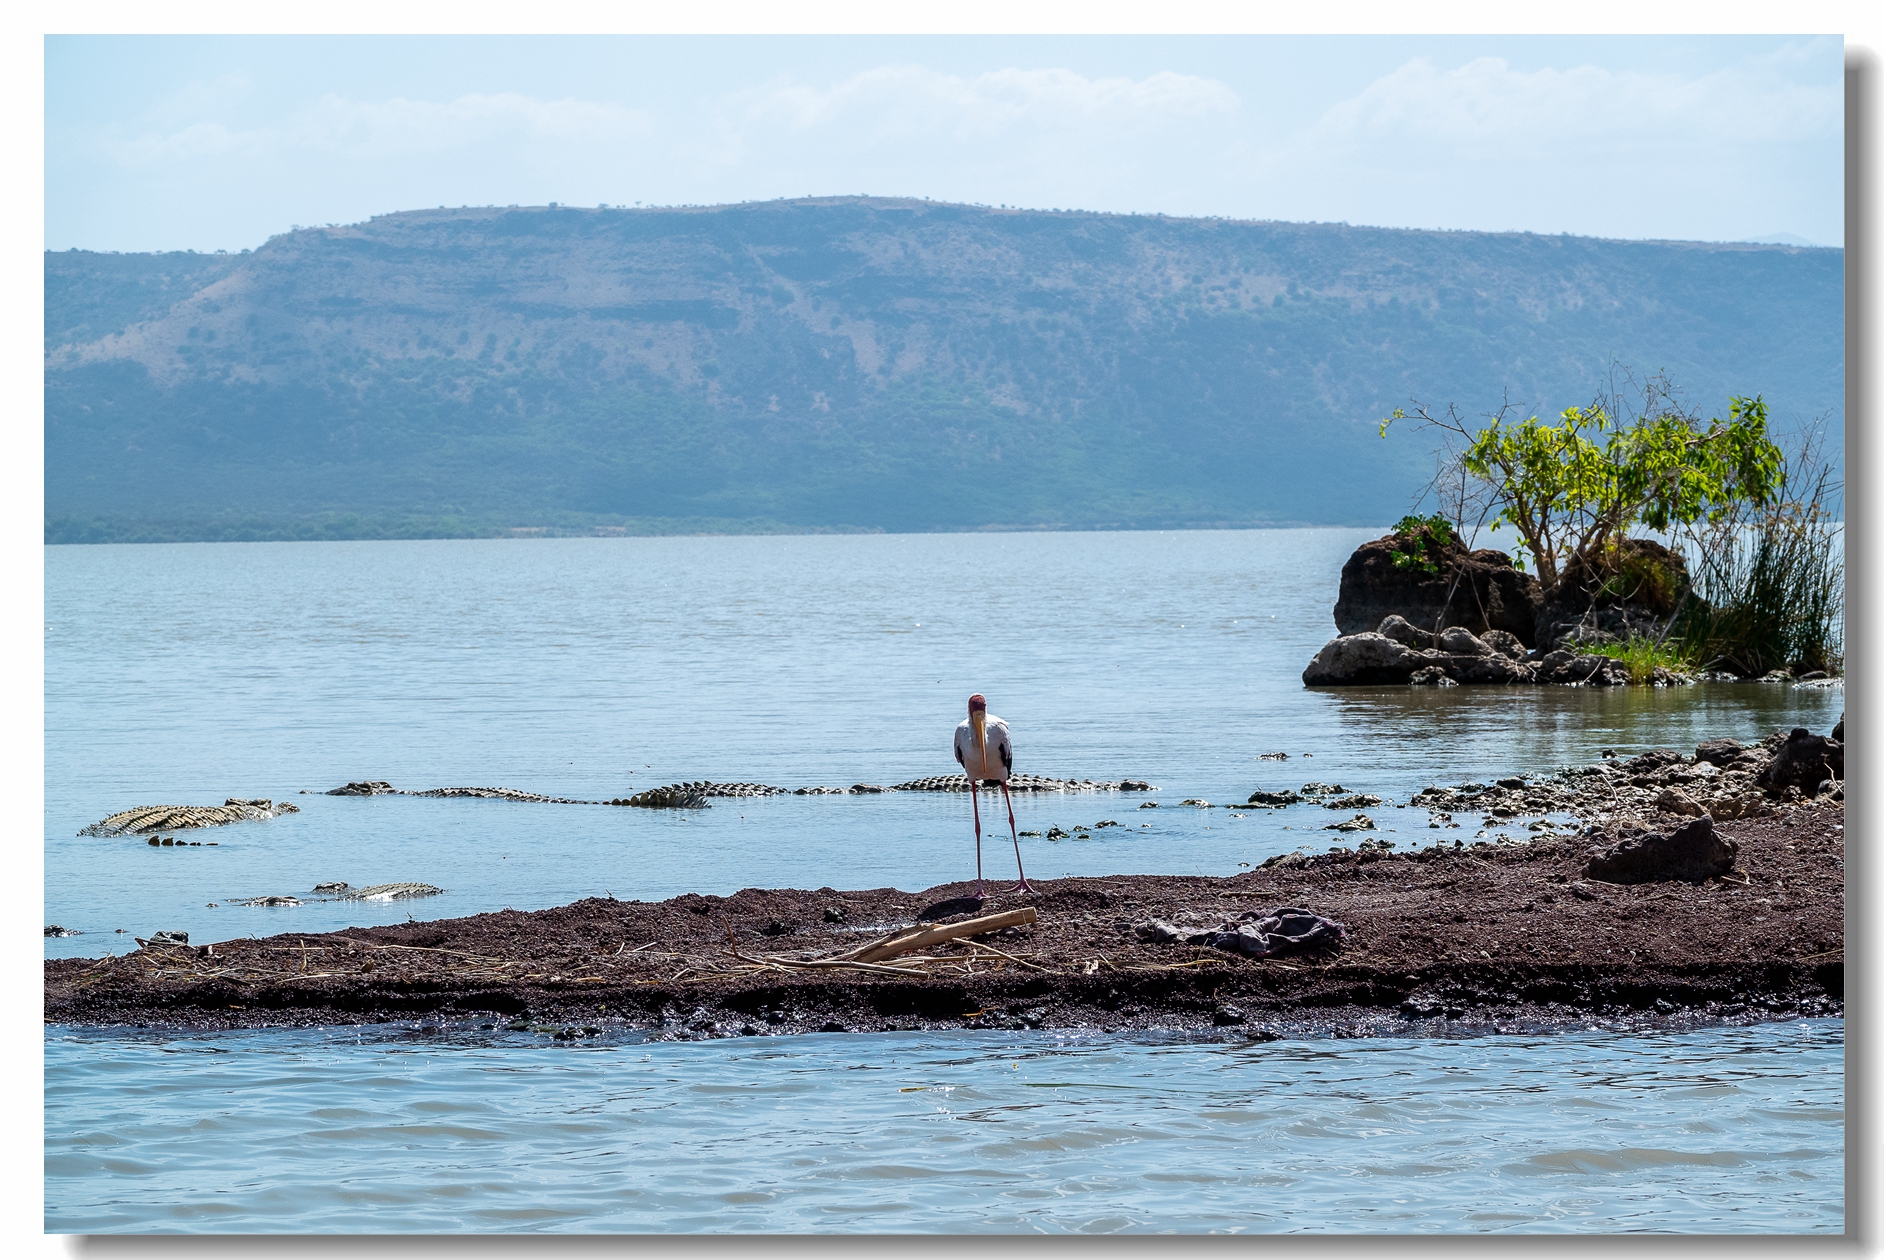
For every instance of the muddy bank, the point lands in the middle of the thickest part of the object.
(1438, 940)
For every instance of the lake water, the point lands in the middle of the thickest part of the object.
(597, 667)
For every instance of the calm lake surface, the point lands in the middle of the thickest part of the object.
(594, 668)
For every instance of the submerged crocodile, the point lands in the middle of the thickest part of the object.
(1025, 783)
(696, 794)
(500, 794)
(148, 818)
(673, 796)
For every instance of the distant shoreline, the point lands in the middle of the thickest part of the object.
(74, 532)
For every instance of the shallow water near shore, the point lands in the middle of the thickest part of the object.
(396, 1130)
(593, 668)
(597, 667)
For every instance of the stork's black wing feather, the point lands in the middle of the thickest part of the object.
(958, 757)
(1007, 756)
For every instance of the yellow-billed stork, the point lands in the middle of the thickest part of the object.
(986, 753)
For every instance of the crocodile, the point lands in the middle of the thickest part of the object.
(340, 890)
(1025, 783)
(696, 794)
(498, 794)
(149, 818)
(673, 796)
(390, 892)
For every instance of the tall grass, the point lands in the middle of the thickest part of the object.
(1640, 654)
(1769, 583)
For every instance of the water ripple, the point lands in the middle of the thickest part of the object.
(1735, 1129)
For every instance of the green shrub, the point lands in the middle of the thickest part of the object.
(1418, 542)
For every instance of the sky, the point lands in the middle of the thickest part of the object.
(219, 142)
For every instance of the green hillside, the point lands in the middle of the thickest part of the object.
(853, 363)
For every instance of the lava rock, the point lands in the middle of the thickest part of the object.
(1675, 801)
(1719, 752)
(1476, 590)
(1505, 643)
(1361, 659)
(1562, 667)
(1580, 608)
(1404, 632)
(1689, 852)
(1803, 760)
(1655, 760)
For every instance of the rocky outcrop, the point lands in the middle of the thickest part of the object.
(1632, 593)
(1400, 652)
(148, 818)
(1360, 659)
(1478, 591)
(1804, 761)
(1691, 852)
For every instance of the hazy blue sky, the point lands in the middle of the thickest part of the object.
(174, 142)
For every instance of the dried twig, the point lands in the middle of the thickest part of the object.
(962, 940)
(847, 964)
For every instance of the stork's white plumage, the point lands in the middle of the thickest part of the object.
(991, 757)
(986, 753)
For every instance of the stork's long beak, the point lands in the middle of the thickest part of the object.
(979, 719)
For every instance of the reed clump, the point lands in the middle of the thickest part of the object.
(1769, 582)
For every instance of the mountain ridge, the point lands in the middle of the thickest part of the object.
(856, 363)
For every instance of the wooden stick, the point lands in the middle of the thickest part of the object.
(962, 940)
(847, 964)
(898, 934)
(935, 936)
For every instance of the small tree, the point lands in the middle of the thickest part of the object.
(1574, 489)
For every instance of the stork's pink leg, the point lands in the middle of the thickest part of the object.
(1023, 886)
(974, 797)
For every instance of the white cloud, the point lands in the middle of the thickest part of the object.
(912, 99)
(1486, 103)
(398, 128)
